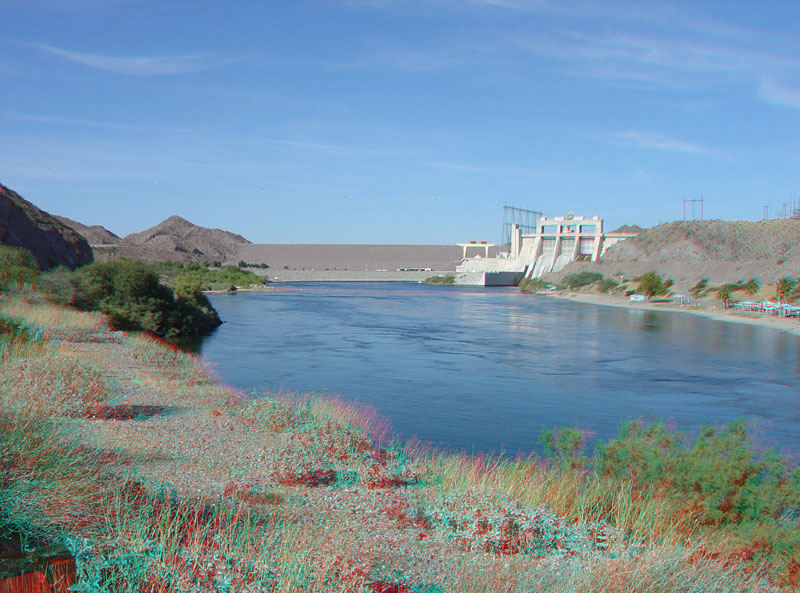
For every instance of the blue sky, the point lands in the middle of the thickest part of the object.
(380, 121)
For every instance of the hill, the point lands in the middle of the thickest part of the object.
(94, 234)
(701, 240)
(720, 250)
(177, 239)
(52, 243)
(627, 228)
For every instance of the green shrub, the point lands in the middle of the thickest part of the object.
(60, 285)
(651, 284)
(532, 284)
(581, 279)
(607, 284)
(132, 295)
(699, 287)
(13, 330)
(443, 280)
(206, 278)
(565, 446)
(719, 472)
(17, 266)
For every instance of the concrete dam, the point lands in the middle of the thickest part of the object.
(555, 243)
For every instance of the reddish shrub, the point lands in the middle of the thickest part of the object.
(123, 412)
(400, 511)
(311, 477)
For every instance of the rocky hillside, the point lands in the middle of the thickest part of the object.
(94, 234)
(178, 239)
(52, 243)
(627, 228)
(697, 240)
(722, 251)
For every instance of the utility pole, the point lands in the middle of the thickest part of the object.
(693, 201)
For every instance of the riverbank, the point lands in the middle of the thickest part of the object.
(278, 276)
(157, 478)
(789, 325)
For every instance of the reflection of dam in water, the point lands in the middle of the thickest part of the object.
(555, 243)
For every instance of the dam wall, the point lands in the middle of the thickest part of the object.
(364, 258)
(556, 242)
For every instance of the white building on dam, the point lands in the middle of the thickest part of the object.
(556, 242)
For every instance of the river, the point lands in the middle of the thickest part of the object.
(475, 369)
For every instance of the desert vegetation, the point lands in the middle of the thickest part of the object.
(128, 291)
(125, 467)
(650, 284)
(440, 280)
(206, 277)
(532, 284)
(17, 266)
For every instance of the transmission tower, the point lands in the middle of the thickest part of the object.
(693, 201)
(525, 219)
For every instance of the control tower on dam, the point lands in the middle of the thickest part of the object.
(556, 242)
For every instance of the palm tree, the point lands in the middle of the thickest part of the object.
(785, 287)
(752, 286)
(724, 294)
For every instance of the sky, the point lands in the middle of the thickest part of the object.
(409, 121)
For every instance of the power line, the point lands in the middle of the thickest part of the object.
(693, 201)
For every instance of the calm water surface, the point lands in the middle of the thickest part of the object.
(488, 369)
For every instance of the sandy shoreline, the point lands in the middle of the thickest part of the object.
(791, 326)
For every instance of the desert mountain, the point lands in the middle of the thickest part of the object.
(52, 243)
(627, 228)
(94, 234)
(178, 239)
(719, 250)
(702, 240)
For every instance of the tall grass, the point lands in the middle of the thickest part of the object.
(52, 316)
(339, 507)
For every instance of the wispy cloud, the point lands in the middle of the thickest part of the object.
(772, 92)
(491, 170)
(626, 44)
(138, 65)
(69, 121)
(336, 150)
(666, 61)
(656, 141)
(457, 166)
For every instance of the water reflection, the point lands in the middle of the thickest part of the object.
(486, 368)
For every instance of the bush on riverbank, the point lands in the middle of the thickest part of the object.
(607, 284)
(651, 284)
(581, 279)
(532, 284)
(204, 277)
(17, 266)
(440, 280)
(132, 295)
